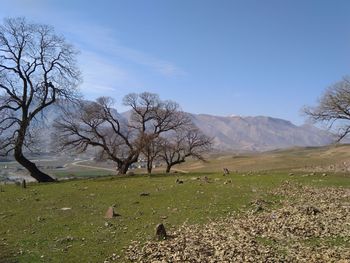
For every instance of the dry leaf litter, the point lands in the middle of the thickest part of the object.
(308, 225)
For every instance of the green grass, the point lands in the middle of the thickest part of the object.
(32, 220)
(81, 174)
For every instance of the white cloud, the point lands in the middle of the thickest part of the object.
(102, 39)
(101, 77)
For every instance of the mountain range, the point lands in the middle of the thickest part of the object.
(260, 133)
(237, 133)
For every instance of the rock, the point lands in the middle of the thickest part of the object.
(160, 232)
(111, 213)
(178, 181)
(324, 174)
(291, 174)
(259, 208)
(311, 210)
(228, 182)
(144, 194)
(226, 171)
(65, 208)
(24, 184)
(130, 173)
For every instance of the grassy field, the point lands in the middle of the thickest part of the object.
(279, 160)
(35, 228)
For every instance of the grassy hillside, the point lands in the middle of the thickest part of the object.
(34, 228)
(64, 222)
(308, 159)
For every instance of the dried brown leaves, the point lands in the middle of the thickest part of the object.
(312, 225)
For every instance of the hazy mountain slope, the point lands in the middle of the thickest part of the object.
(258, 133)
(233, 133)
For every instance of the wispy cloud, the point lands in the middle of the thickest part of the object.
(102, 76)
(103, 41)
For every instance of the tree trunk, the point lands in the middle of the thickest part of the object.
(168, 167)
(123, 168)
(149, 166)
(32, 168)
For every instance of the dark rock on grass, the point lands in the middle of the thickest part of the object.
(144, 194)
(178, 181)
(160, 232)
(24, 184)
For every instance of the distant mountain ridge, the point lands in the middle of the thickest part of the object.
(238, 133)
(260, 133)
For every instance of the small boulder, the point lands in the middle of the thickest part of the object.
(160, 232)
(226, 171)
(178, 181)
(144, 194)
(311, 210)
(111, 213)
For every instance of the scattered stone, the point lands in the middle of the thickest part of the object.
(160, 232)
(164, 217)
(111, 213)
(324, 174)
(66, 208)
(178, 181)
(291, 174)
(226, 171)
(130, 173)
(40, 219)
(259, 208)
(311, 210)
(144, 194)
(24, 184)
(66, 239)
(228, 182)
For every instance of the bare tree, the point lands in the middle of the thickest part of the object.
(151, 151)
(188, 141)
(96, 124)
(333, 108)
(37, 68)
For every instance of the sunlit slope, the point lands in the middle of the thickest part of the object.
(335, 157)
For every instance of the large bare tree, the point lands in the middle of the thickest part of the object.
(187, 141)
(333, 109)
(97, 124)
(37, 68)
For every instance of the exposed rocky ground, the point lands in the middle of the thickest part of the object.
(304, 224)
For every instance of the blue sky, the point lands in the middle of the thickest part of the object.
(219, 57)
